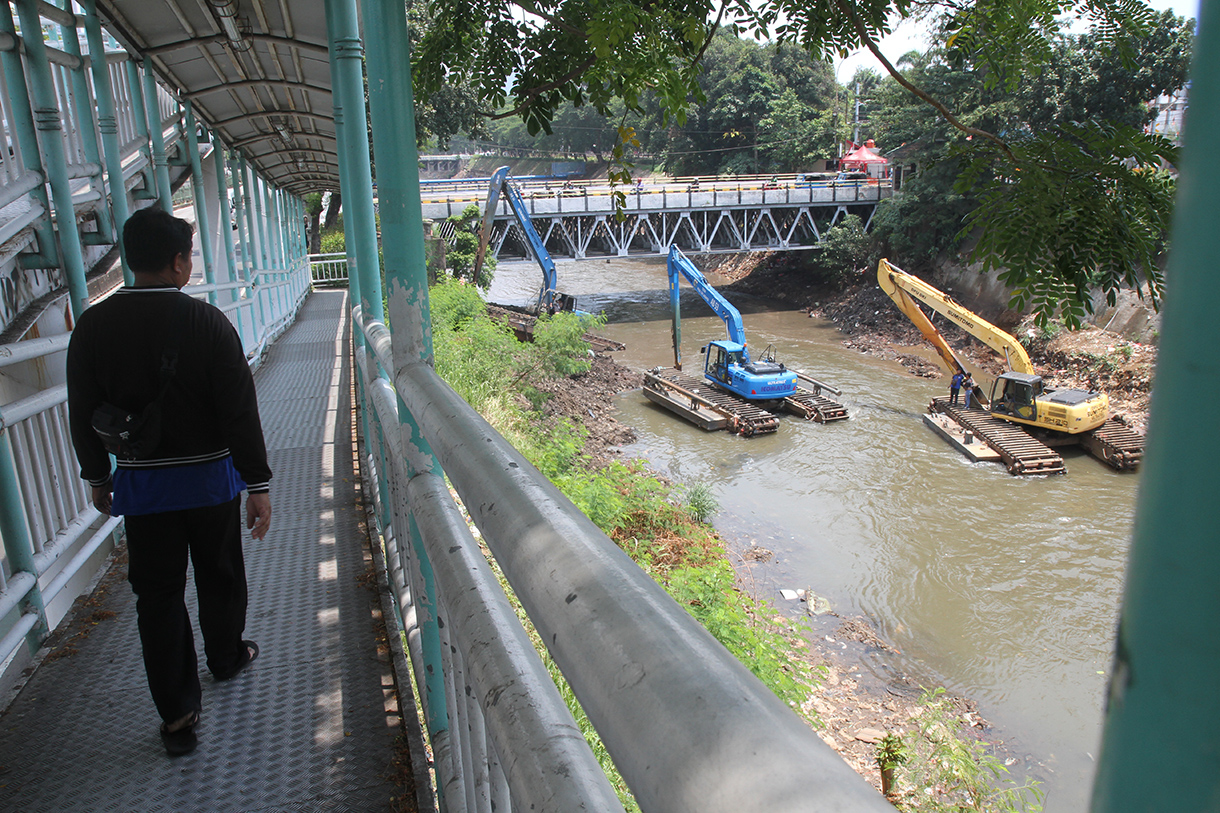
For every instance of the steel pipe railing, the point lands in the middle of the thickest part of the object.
(651, 680)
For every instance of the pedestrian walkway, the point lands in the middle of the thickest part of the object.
(311, 726)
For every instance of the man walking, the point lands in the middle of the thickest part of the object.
(151, 349)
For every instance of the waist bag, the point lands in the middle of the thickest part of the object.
(134, 434)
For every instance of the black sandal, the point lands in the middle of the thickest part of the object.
(183, 741)
(250, 650)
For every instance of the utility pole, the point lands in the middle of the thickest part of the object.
(856, 135)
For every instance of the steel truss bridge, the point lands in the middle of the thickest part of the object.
(581, 222)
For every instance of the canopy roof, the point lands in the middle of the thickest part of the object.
(256, 71)
(862, 156)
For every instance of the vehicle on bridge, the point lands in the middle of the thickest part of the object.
(550, 300)
(742, 390)
(1018, 396)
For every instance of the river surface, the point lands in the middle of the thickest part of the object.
(1000, 588)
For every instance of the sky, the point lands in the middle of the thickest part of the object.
(910, 35)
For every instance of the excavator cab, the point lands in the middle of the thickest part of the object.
(716, 365)
(1016, 394)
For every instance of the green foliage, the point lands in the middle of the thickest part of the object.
(560, 342)
(701, 502)
(1078, 209)
(844, 250)
(892, 752)
(460, 259)
(334, 241)
(313, 204)
(709, 595)
(949, 772)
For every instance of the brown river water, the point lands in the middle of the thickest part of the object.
(999, 588)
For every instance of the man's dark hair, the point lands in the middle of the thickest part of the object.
(152, 238)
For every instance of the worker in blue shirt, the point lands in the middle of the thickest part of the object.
(955, 387)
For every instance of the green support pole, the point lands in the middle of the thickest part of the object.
(237, 169)
(346, 55)
(245, 223)
(108, 124)
(136, 91)
(27, 140)
(81, 100)
(345, 176)
(391, 100)
(16, 536)
(226, 213)
(47, 120)
(201, 208)
(157, 135)
(260, 223)
(1161, 746)
(281, 237)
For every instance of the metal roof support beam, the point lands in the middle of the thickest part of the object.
(157, 135)
(1161, 744)
(47, 119)
(201, 204)
(107, 124)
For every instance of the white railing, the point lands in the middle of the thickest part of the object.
(329, 269)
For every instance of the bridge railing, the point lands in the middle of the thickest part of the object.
(688, 727)
(52, 535)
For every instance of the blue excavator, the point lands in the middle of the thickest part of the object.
(727, 364)
(550, 300)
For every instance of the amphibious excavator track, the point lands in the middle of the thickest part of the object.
(1021, 453)
(706, 406)
(813, 406)
(1115, 444)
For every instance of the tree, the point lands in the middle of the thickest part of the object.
(526, 65)
(1070, 199)
(460, 258)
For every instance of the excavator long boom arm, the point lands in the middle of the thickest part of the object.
(908, 292)
(678, 264)
(500, 186)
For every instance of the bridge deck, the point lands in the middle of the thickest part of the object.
(312, 725)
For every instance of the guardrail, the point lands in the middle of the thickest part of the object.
(687, 725)
(49, 528)
(329, 269)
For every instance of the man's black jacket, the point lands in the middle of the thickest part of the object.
(210, 409)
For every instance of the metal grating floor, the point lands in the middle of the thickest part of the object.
(311, 726)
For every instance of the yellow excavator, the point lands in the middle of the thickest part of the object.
(1017, 395)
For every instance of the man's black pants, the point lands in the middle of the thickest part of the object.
(158, 546)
